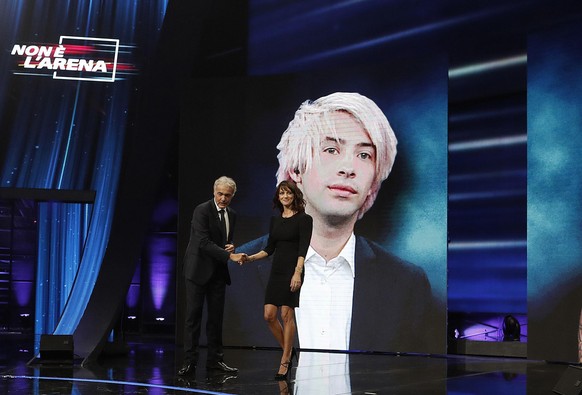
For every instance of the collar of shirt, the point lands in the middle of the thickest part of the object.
(218, 208)
(348, 253)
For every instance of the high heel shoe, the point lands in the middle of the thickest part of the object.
(283, 376)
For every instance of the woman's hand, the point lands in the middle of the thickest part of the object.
(238, 258)
(295, 282)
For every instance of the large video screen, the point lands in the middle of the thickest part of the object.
(554, 188)
(397, 302)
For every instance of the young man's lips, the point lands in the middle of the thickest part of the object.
(342, 189)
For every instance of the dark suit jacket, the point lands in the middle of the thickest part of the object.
(392, 304)
(205, 254)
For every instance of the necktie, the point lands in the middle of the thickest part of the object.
(223, 223)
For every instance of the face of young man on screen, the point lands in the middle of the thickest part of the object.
(337, 185)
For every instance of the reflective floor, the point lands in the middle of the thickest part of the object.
(150, 365)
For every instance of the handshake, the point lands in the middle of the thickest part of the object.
(239, 258)
(242, 257)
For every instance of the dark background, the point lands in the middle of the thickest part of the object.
(489, 125)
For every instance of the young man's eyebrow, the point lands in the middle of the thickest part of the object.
(342, 141)
(334, 140)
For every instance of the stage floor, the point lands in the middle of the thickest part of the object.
(150, 368)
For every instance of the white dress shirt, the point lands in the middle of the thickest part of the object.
(324, 315)
(226, 220)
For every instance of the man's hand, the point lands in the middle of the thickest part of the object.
(239, 258)
(229, 248)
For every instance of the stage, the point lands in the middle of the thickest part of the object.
(151, 363)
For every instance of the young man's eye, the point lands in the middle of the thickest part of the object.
(330, 150)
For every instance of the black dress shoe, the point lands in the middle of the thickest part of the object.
(187, 369)
(220, 377)
(186, 381)
(222, 367)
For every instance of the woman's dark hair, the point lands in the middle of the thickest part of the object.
(298, 201)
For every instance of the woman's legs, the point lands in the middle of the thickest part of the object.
(288, 317)
(289, 329)
(270, 315)
(285, 333)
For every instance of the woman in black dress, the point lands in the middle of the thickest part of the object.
(289, 237)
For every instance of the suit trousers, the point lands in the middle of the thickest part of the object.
(213, 293)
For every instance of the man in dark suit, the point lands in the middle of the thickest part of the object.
(391, 308)
(206, 275)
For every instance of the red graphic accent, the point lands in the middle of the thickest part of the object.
(78, 49)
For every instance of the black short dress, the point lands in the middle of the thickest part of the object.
(288, 239)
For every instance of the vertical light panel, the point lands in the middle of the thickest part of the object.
(554, 192)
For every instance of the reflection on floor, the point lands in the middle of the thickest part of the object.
(151, 364)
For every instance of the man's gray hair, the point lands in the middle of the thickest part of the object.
(300, 142)
(224, 180)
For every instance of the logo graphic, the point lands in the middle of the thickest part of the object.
(73, 58)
